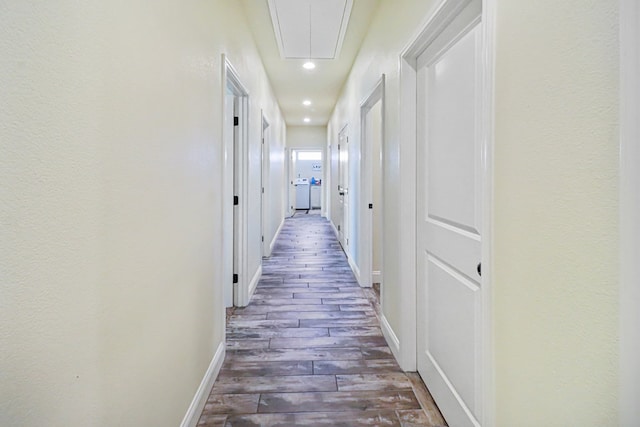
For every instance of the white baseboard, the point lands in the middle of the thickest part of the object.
(333, 227)
(355, 269)
(254, 282)
(376, 276)
(390, 336)
(275, 237)
(197, 404)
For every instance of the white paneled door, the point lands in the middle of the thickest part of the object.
(449, 218)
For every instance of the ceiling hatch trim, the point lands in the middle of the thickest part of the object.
(310, 29)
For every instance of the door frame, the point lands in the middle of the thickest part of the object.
(629, 212)
(346, 230)
(265, 164)
(366, 182)
(437, 20)
(293, 153)
(231, 78)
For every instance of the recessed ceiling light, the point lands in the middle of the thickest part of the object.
(306, 102)
(307, 119)
(309, 65)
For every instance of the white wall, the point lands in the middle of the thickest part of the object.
(110, 130)
(555, 230)
(305, 169)
(556, 213)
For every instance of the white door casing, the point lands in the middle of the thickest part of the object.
(372, 132)
(264, 199)
(235, 169)
(450, 205)
(228, 226)
(343, 188)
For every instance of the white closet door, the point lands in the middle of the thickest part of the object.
(449, 219)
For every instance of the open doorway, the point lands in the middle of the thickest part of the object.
(306, 177)
(372, 131)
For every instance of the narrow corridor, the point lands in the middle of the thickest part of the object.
(308, 350)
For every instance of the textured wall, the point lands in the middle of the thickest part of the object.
(556, 213)
(111, 304)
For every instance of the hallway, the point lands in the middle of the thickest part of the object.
(308, 350)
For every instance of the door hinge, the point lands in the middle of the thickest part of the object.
(235, 278)
(262, 190)
(370, 205)
(338, 147)
(338, 227)
(236, 201)
(236, 120)
(262, 238)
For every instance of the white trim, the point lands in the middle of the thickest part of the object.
(435, 23)
(333, 227)
(376, 276)
(197, 404)
(488, 136)
(265, 174)
(275, 237)
(629, 212)
(231, 77)
(356, 271)
(390, 336)
(254, 283)
(365, 240)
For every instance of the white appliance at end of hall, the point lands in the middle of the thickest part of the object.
(302, 193)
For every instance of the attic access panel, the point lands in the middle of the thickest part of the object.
(310, 29)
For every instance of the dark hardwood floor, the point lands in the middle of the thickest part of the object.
(308, 350)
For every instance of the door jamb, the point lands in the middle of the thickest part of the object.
(437, 20)
(231, 78)
(366, 182)
(629, 373)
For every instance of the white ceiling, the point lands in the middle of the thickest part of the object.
(291, 83)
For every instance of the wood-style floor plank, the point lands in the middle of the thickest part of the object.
(308, 350)
(337, 401)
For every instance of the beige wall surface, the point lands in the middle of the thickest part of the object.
(307, 137)
(556, 213)
(110, 128)
(555, 208)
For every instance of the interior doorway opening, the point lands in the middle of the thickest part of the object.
(372, 131)
(306, 169)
